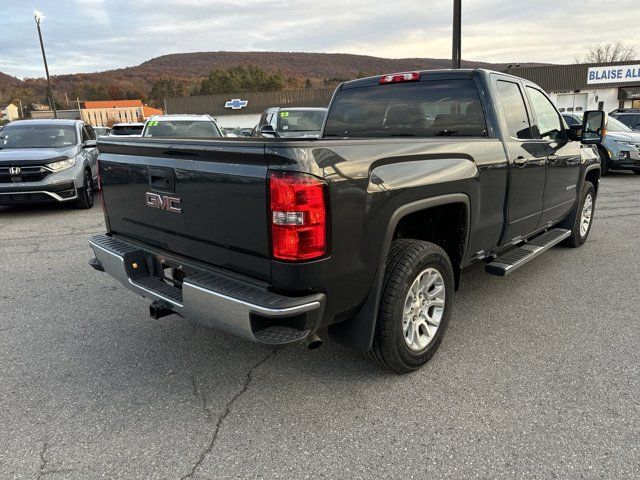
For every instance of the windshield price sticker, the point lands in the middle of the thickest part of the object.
(284, 114)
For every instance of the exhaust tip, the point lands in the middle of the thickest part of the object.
(313, 341)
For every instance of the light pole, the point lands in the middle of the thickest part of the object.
(38, 16)
(456, 53)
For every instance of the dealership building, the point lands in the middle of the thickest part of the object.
(587, 86)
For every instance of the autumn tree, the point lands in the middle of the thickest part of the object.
(166, 88)
(240, 79)
(608, 52)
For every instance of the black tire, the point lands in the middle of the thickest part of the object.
(574, 220)
(604, 161)
(406, 261)
(85, 200)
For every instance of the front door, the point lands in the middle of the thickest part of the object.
(562, 158)
(526, 158)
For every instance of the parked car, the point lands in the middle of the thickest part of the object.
(48, 161)
(630, 117)
(133, 129)
(290, 122)
(620, 149)
(181, 126)
(102, 131)
(362, 233)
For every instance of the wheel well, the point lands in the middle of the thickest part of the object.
(593, 176)
(444, 225)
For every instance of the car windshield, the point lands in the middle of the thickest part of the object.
(617, 126)
(38, 136)
(127, 129)
(301, 120)
(181, 129)
(572, 120)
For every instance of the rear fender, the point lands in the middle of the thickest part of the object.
(359, 331)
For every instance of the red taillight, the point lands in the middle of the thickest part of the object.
(298, 216)
(400, 77)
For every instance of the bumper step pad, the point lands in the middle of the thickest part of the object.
(280, 335)
(518, 257)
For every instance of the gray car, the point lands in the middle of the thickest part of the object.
(48, 161)
(620, 149)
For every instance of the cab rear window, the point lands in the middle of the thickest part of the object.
(433, 108)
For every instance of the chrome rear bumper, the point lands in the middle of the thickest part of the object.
(213, 299)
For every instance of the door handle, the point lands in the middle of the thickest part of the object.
(552, 158)
(520, 162)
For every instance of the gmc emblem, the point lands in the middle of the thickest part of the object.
(163, 202)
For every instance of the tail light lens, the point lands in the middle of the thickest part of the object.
(298, 212)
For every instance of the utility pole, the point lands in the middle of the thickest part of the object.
(79, 108)
(38, 18)
(21, 110)
(456, 53)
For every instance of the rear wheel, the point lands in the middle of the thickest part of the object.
(415, 305)
(85, 193)
(581, 219)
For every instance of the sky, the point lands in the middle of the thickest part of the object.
(95, 35)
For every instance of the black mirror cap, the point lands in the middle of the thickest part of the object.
(594, 127)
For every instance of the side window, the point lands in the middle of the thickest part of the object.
(274, 121)
(514, 109)
(549, 124)
(85, 134)
(91, 132)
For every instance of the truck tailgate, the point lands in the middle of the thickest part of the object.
(200, 199)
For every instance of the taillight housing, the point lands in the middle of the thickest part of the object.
(298, 216)
(400, 78)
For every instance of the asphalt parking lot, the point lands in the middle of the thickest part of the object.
(538, 377)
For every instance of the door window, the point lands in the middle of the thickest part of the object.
(514, 109)
(85, 134)
(548, 120)
(91, 132)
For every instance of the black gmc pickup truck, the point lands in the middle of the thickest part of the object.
(362, 233)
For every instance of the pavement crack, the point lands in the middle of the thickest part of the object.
(43, 459)
(225, 413)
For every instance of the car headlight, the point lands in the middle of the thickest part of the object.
(62, 164)
(625, 143)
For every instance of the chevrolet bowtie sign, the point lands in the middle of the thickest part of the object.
(236, 104)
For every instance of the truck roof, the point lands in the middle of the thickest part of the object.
(434, 74)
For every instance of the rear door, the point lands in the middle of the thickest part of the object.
(205, 200)
(526, 159)
(562, 157)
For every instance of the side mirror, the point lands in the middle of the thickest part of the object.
(89, 144)
(594, 126)
(268, 131)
